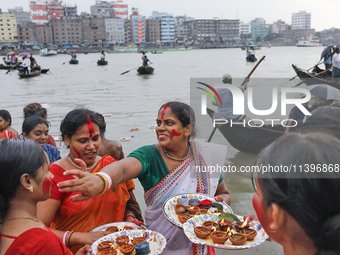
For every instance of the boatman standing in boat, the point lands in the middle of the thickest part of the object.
(26, 64)
(226, 109)
(145, 60)
(336, 64)
(103, 55)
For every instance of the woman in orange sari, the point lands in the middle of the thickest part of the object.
(80, 132)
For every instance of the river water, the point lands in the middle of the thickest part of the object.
(103, 89)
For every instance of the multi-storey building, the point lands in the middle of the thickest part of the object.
(213, 30)
(44, 34)
(137, 26)
(182, 34)
(153, 31)
(8, 28)
(67, 30)
(102, 9)
(27, 34)
(42, 11)
(94, 31)
(120, 10)
(245, 28)
(127, 30)
(21, 16)
(167, 26)
(259, 28)
(70, 10)
(278, 27)
(301, 20)
(115, 33)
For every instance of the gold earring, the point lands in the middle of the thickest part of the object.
(30, 189)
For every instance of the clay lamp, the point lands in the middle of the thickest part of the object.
(184, 217)
(210, 224)
(127, 249)
(242, 225)
(105, 245)
(237, 239)
(203, 211)
(137, 240)
(121, 240)
(224, 224)
(112, 229)
(193, 209)
(127, 228)
(107, 252)
(249, 233)
(206, 204)
(219, 237)
(142, 248)
(179, 208)
(202, 232)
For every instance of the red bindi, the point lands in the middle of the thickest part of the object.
(78, 154)
(174, 133)
(90, 126)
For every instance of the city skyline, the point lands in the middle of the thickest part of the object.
(245, 11)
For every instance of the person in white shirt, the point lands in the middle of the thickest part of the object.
(26, 64)
(336, 63)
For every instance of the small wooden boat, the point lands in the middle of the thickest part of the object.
(35, 68)
(251, 58)
(3, 67)
(156, 52)
(312, 79)
(102, 62)
(145, 70)
(44, 70)
(32, 74)
(249, 139)
(74, 61)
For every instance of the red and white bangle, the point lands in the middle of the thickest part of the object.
(109, 179)
(64, 237)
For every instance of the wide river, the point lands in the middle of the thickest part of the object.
(103, 89)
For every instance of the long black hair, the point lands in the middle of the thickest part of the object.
(17, 157)
(312, 201)
(6, 116)
(184, 113)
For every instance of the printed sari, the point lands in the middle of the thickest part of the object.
(7, 135)
(183, 179)
(86, 215)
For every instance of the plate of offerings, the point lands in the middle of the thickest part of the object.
(129, 242)
(117, 227)
(211, 230)
(178, 209)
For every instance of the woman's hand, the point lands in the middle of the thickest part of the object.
(250, 216)
(84, 250)
(83, 238)
(88, 185)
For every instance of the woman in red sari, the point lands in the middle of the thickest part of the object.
(81, 133)
(24, 181)
(6, 131)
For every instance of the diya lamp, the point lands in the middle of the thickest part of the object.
(105, 245)
(121, 240)
(206, 204)
(179, 208)
(107, 252)
(127, 228)
(242, 225)
(202, 232)
(112, 229)
(237, 239)
(193, 209)
(203, 211)
(184, 217)
(127, 249)
(211, 224)
(225, 224)
(142, 248)
(137, 240)
(219, 237)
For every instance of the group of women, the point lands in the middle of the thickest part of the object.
(83, 190)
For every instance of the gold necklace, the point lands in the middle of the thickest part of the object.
(178, 159)
(26, 218)
(79, 167)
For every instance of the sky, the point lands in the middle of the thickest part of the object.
(325, 13)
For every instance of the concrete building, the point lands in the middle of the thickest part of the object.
(27, 34)
(127, 30)
(20, 15)
(137, 26)
(102, 9)
(182, 34)
(167, 27)
(115, 33)
(70, 11)
(259, 28)
(153, 31)
(44, 34)
(278, 27)
(67, 30)
(213, 31)
(120, 10)
(94, 31)
(42, 11)
(301, 20)
(297, 34)
(245, 28)
(8, 28)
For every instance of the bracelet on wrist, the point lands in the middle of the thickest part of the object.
(109, 179)
(64, 237)
(67, 242)
(106, 182)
